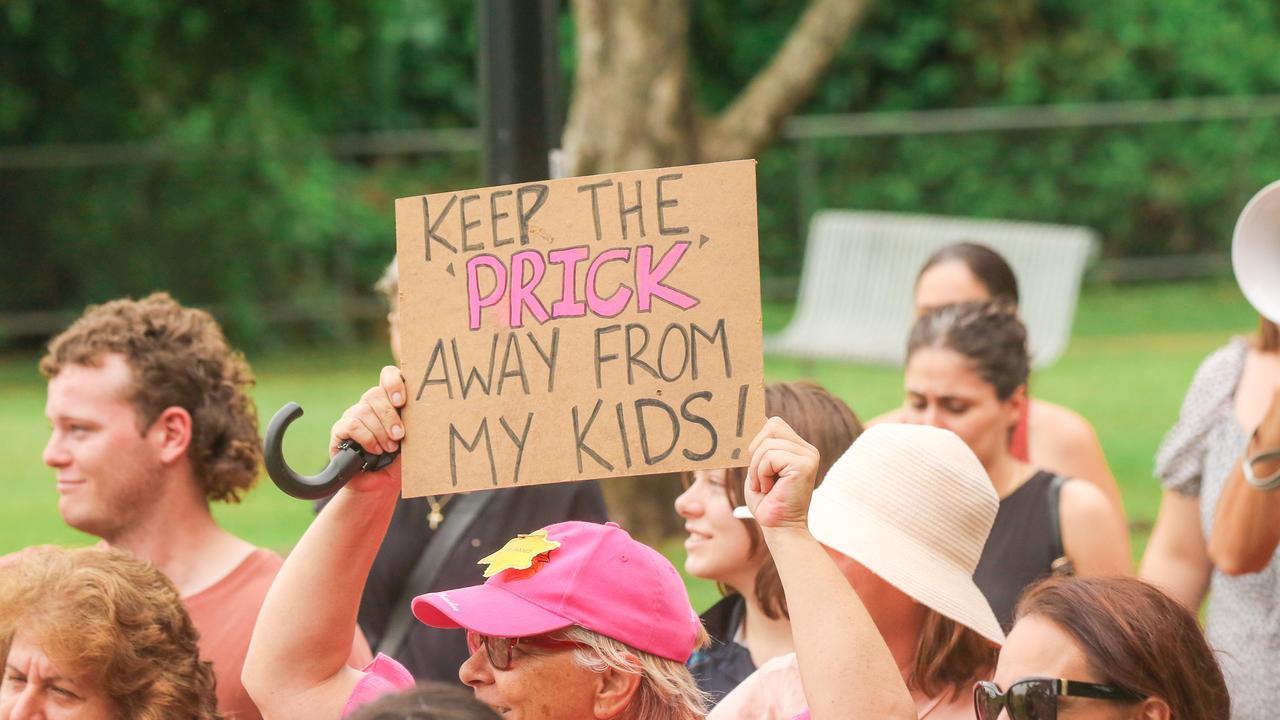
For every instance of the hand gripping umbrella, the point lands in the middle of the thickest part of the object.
(350, 460)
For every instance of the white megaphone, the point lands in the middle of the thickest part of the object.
(1255, 252)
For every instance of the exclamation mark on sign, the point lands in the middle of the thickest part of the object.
(742, 415)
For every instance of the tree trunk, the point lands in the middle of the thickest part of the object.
(752, 121)
(633, 108)
(633, 105)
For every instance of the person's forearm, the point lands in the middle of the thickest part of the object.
(845, 665)
(304, 632)
(1246, 526)
(1179, 578)
(1176, 559)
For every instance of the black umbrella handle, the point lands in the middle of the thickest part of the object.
(350, 461)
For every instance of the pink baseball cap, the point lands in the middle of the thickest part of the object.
(598, 577)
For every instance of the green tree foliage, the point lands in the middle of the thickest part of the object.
(252, 208)
(247, 206)
(1149, 189)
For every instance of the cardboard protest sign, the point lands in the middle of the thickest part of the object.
(580, 328)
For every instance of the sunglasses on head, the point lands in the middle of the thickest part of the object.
(1037, 698)
(499, 649)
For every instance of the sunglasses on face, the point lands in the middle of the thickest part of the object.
(1037, 698)
(499, 649)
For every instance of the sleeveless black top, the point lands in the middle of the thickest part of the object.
(722, 665)
(1024, 542)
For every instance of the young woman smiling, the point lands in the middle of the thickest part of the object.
(751, 624)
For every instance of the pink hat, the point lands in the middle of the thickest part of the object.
(590, 575)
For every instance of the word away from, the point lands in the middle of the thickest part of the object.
(624, 353)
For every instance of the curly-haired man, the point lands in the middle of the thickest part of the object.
(150, 423)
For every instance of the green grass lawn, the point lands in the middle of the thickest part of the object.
(1133, 352)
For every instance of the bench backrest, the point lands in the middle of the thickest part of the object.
(855, 297)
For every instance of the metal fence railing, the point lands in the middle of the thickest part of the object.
(800, 134)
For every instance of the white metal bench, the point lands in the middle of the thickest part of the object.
(855, 297)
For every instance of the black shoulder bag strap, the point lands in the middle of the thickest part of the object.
(1061, 563)
(463, 512)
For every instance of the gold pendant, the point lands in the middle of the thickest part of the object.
(436, 516)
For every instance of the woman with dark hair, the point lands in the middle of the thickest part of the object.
(1048, 435)
(751, 624)
(964, 272)
(1104, 648)
(93, 634)
(1215, 533)
(967, 369)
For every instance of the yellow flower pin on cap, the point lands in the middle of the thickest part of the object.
(519, 553)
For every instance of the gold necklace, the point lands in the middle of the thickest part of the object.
(436, 516)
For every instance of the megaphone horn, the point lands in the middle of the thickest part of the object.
(1255, 252)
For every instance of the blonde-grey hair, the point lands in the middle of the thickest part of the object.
(667, 691)
(388, 286)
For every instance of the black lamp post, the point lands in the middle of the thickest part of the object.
(520, 115)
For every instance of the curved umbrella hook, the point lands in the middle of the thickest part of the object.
(350, 460)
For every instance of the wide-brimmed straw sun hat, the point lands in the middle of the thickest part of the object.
(913, 505)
